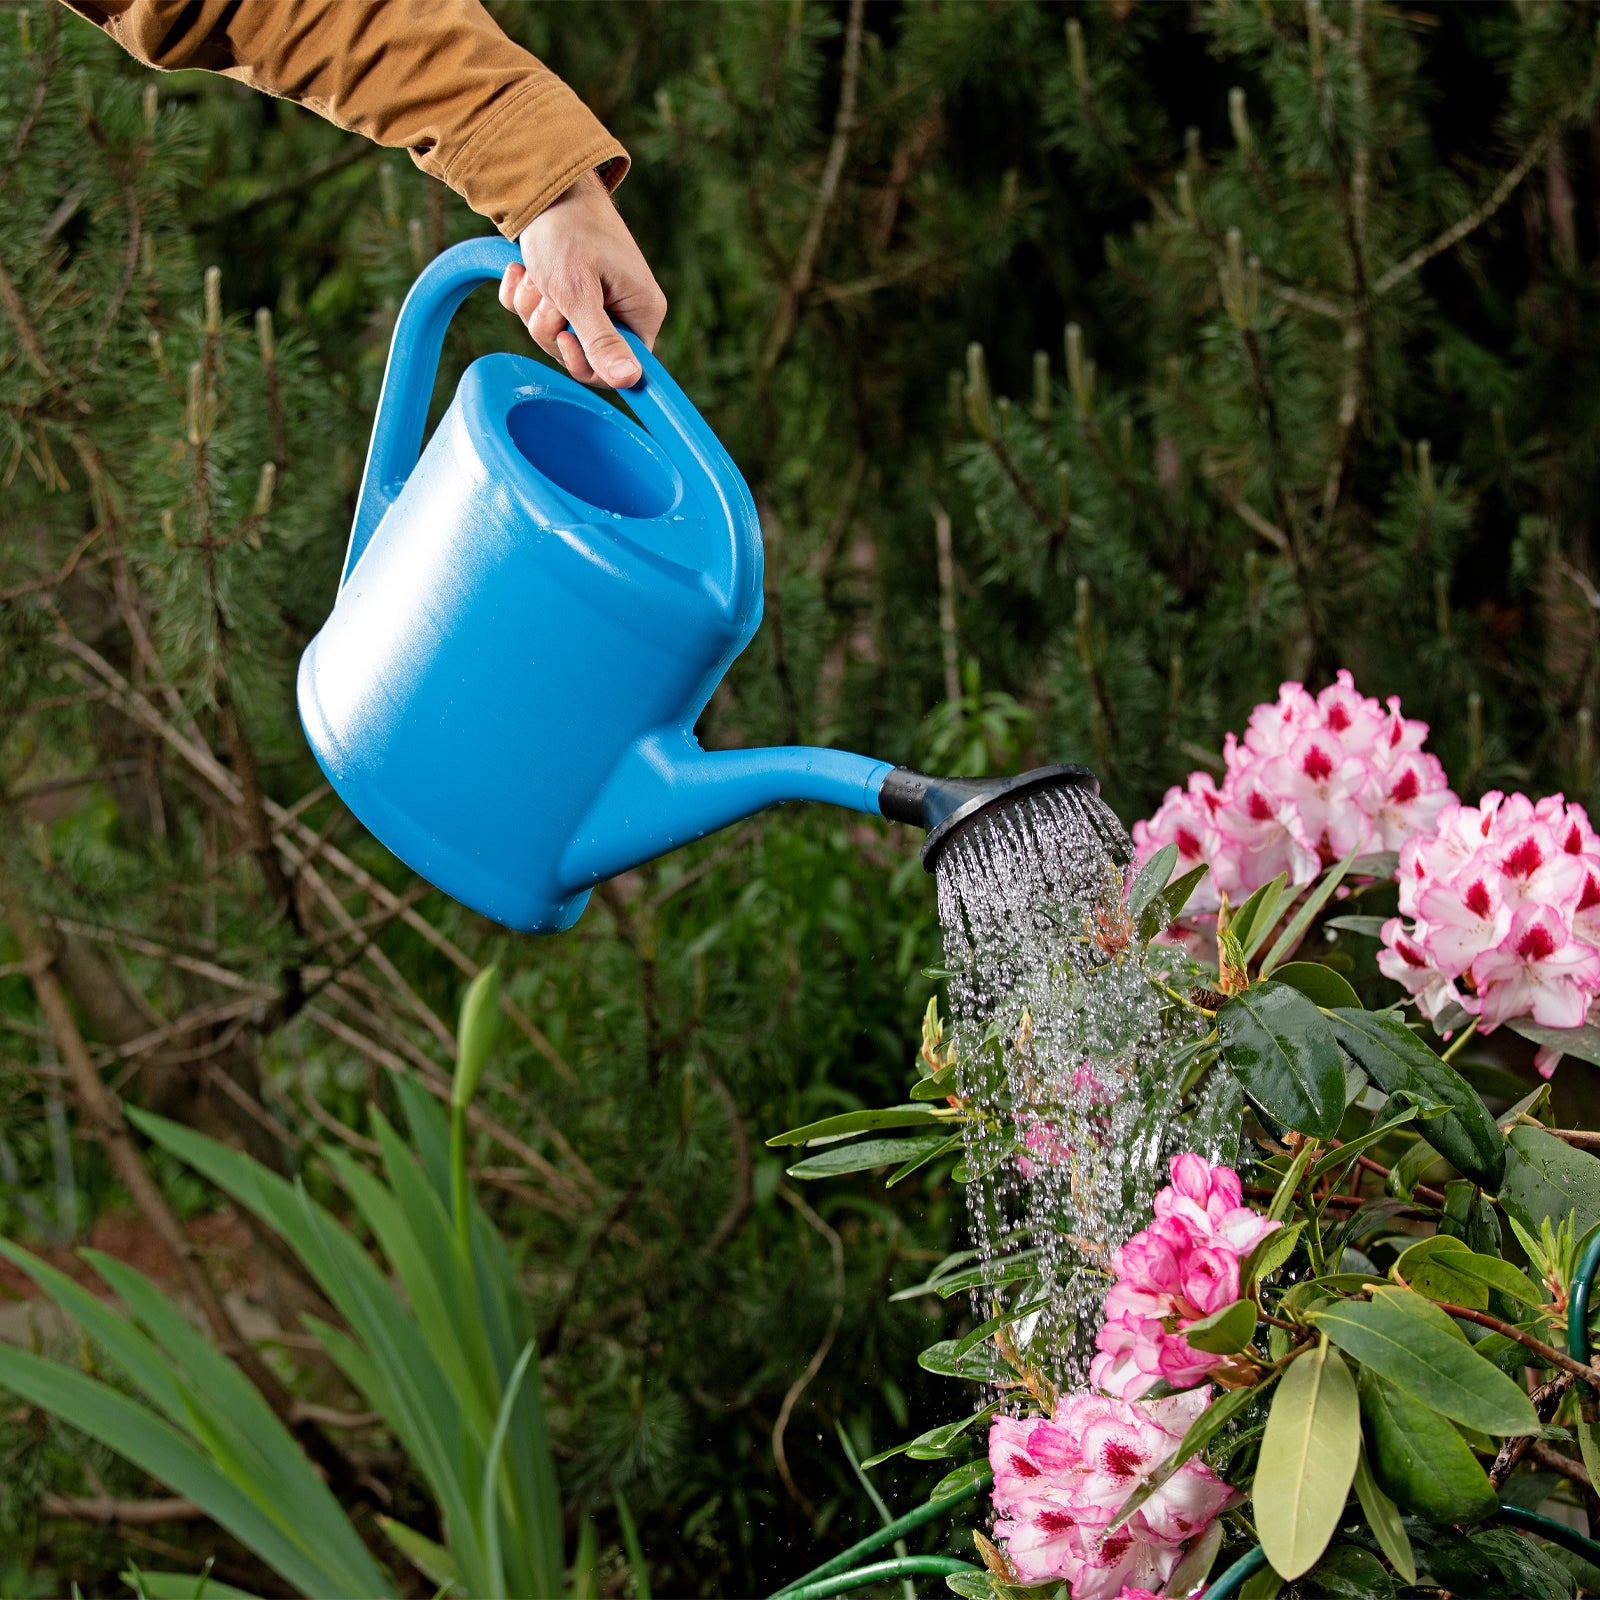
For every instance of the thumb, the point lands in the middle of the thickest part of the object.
(606, 349)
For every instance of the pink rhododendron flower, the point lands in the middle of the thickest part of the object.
(1500, 914)
(1060, 1483)
(1313, 778)
(1181, 1268)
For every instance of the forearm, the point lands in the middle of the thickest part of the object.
(436, 78)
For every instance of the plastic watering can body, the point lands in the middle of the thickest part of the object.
(533, 614)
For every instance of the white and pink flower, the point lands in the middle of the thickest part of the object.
(1500, 914)
(1059, 1483)
(1313, 778)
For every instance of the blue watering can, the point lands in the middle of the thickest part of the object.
(533, 614)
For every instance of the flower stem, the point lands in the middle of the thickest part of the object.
(458, 1183)
(1455, 1044)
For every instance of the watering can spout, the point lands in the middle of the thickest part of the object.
(668, 792)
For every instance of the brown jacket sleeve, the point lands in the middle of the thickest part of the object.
(436, 77)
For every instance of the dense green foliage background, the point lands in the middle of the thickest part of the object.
(1328, 399)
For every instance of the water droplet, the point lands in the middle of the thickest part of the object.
(1059, 1033)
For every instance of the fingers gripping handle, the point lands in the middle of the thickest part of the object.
(433, 299)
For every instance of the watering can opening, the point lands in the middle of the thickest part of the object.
(605, 461)
(947, 806)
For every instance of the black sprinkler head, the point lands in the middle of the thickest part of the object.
(944, 806)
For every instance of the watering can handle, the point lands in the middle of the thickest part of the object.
(419, 330)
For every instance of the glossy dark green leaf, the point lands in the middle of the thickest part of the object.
(847, 1122)
(1367, 927)
(961, 1478)
(1528, 1568)
(1347, 1572)
(1408, 1340)
(1418, 1459)
(1321, 985)
(982, 1364)
(1396, 1059)
(863, 1154)
(1546, 1177)
(1282, 1051)
(1224, 1332)
(938, 1087)
(922, 1157)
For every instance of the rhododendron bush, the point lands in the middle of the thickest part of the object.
(1353, 1355)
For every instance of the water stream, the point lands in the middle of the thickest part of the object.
(1059, 1036)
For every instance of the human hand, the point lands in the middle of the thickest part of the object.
(581, 266)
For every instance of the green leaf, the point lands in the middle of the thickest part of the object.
(1302, 919)
(935, 1443)
(1588, 1431)
(1429, 1267)
(155, 1446)
(1216, 1417)
(638, 1567)
(1367, 927)
(1307, 1461)
(1224, 1332)
(1411, 1342)
(962, 1478)
(1418, 1459)
(1347, 1572)
(489, 1487)
(1280, 1048)
(1168, 906)
(480, 1019)
(1468, 1263)
(1528, 1568)
(983, 1364)
(1383, 1517)
(433, 1561)
(1395, 1059)
(1253, 921)
(865, 1154)
(1582, 1041)
(1546, 1177)
(995, 1324)
(1321, 985)
(1351, 1148)
(183, 1586)
(1198, 1559)
(860, 1122)
(990, 1274)
(1264, 1584)
(1269, 1254)
(955, 1142)
(1289, 1183)
(1152, 880)
(938, 1087)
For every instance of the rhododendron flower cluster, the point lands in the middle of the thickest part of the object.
(1181, 1268)
(1314, 778)
(1060, 1482)
(1500, 913)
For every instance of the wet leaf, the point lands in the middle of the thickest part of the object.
(847, 1122)
(1383, 1517)
(864, 1154)
(1282, 1051)
(1396, 1059)
(1546, 1177)
(1582, 1042)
